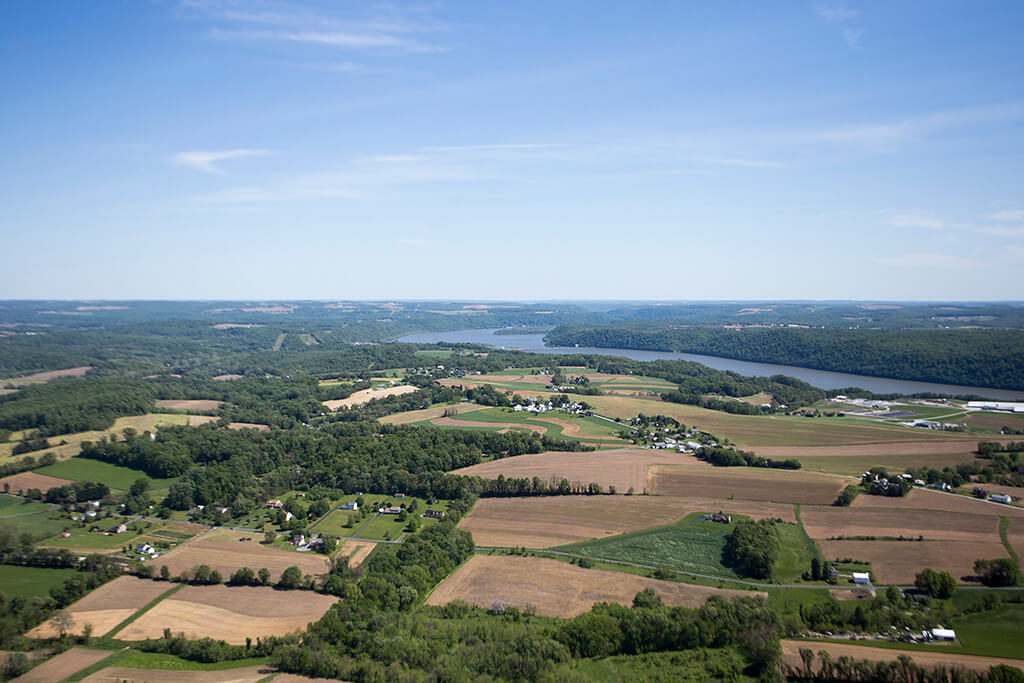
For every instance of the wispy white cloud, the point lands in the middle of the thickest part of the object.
(207, 161)
(835, 14)
(492, 147)
(927, 260)
(286, 22)
(1008, 215)
(914, 220)
(746, 163)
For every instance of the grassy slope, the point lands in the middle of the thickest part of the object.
(114, 476)
(31, 581)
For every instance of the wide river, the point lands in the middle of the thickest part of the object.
(819, 378)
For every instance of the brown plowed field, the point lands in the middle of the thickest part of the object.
(23, 481)
(190, 404)
(550, 521)
(927, 499)
(108, 605)
(221, 550)
(748, 483)
(367, 395)
(229, 613)
(937, 525)
(791, 655)
(621, 468)
(428, 413)
(247, 674)
(63, 665)
(356, 551)
(197, 420)
(899, 561)
(558, 589)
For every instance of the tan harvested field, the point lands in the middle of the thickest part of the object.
(308, 339)
(428, 413)
(899, 561)
(791, 655)
(367, 395)
(356, 551)
(199, 420)
(748, 483)
(229, 613)
(190, 404)
(63, 665)
(139, 423)
(841, 594)
(108, 605)
(228, 376)
(23, 481)
(827, 522)
(930, 447)
(454, 422)
(928, 499)
(229, 326)
(558, 589)
(222, 550)
(46, 376)
(622, 468)
(247, 674)
(249, 425)
(557, 520)
(752, 431)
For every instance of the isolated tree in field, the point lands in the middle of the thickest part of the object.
(62, 622)
(647, 598)
(1003, 571)
(165, 573)
(269, 537)
(291, 578)
(139, 487)
(264, 576)
(244, 577)
(939, 585)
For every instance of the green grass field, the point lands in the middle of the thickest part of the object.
(135, 659)
(114, 476)
(494, 419)
(11, 506)
(796, 550)
(998, 633)
(687, 546)
(31, 581)
(41, 524)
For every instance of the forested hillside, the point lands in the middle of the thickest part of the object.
(983, 358)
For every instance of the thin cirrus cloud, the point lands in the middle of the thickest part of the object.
(207, 161)
(835, 14)
(926, 260)
(1008, 215)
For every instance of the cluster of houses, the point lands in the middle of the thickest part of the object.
(931, 424)
(304, 545)
(720, 518)
(883, 482)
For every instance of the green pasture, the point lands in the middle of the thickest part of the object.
(12, 506)
(31, 581)
(501, 418)
(40, 524)
(687, 546)
(82, 538)
(796, 550)
(114, 476)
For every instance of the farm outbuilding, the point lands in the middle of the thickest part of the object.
(862, 578)
(943, 634)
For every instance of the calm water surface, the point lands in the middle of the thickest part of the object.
(819, 378)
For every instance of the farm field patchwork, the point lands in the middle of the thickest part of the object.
(749, 483)
(244, 674)
(23, 481)
(899, 561)
(623, 468)
(63, 665)
(224, 551)
(928, 499)
(355, 551)
(430, 413)
(828, 522)
(543, 522)
(108, 605)
(557, 589)
(230, 613)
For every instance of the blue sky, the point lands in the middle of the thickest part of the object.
(528, 150)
